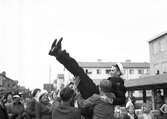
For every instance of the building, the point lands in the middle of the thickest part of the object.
(48, 87)
(158, 54)
(100, 70)
(156, 83)
(6, 82)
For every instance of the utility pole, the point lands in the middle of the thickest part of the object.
(50, 69)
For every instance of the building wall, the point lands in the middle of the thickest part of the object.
(129, 73)
(98, 74)
(158, 55)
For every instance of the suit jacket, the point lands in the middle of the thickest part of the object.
(3, 112)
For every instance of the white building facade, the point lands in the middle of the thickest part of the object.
(101, 70)
(158, 54)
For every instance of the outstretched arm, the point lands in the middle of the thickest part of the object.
(86, 86)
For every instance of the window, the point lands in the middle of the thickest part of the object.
(155, 47)
(131, 71)
(148, 71)
(140, 71)
(164, 67)
(88, 72)
(108, 71)
(162, 45)
(124, 71)
(98, 71)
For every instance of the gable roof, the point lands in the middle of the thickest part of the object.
(158, 37)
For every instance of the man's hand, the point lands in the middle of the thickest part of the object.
(55, 47)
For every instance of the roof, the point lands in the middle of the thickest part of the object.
(158, 37)
(109, 64)
(149, 82)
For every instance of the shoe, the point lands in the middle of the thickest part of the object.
(55, 47)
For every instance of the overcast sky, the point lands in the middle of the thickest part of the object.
(111, 30)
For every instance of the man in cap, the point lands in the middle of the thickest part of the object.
(120, 90)
(16, 109)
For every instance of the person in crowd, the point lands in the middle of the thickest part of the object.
(66, 110)
(129, 102)
(131, 111)
(16, 109)
(9, 98)
(121, 113)
(30, 110)
(117, 111)
(56, 99)
(43, 109)
(102, 103)
(158, 99)
(86, 86)
(3, 110)
(146, 112)
(36, 93)
(163, 108)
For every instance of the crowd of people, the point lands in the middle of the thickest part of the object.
(69, 104)
(81, 99)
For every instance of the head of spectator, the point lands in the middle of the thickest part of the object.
(43, 97)
(105, 86)
(35, 93)
(145, 108)
(130, 108)
(16, 99)
(67, 95)
(9, 98)
(117, 112)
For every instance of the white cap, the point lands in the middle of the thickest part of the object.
(16, 96)
(120, 66)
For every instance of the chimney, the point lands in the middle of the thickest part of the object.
(99, 60)
(128, 61)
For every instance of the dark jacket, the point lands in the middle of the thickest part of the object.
(16, 110)
(119, 90)
(66, 112)
(30, 110)
(3, 112)
(103, 107)
(43, 111)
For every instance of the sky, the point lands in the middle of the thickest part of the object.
(111, 30)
